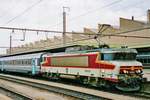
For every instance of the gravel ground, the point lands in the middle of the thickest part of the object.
(36, 94)
(3, 97)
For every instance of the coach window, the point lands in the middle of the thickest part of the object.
(20, 62)
(26, 62)
(29, 61)
(148, 61)
(14, 62)
(145, 60)
(23, 62)
(6, 62)
(11, 62)
(142, 61)
(139, 60)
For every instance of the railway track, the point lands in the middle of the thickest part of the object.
(14, 94)
(75, 94)
(79, 93)
(143, 94)
(140, 95)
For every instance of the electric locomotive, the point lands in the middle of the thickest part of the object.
(101, 67)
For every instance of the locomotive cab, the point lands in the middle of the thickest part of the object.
(129, 72)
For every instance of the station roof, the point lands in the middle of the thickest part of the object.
(58, 49)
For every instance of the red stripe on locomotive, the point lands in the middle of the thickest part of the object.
(93, 62)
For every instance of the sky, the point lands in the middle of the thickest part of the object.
(47, 14)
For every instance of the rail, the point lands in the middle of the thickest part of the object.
(14, 94)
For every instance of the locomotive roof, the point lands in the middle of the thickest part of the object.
(116, 50)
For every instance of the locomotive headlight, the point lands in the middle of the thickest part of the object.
(138, 71)
(125, 71)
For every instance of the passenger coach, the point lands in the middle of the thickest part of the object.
(23, 63)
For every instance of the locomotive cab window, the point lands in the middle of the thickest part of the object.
(118, 56)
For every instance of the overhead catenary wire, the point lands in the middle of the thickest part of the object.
(130, 6)
(90, 11)
(97, 9)
(69, 42)
(26, 10)
(105, 6)
(55, 45)
(119, 34)
(83, 39)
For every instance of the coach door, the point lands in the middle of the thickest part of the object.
(1, 65)
(33, 66)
